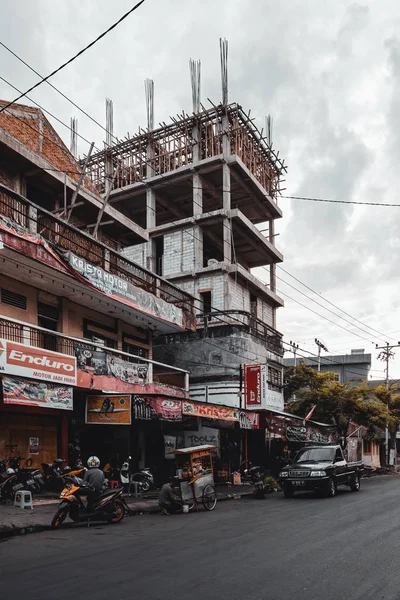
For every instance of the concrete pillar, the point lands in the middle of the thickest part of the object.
(197, 231)
(150, 207)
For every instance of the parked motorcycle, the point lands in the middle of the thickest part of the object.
(257, 479)
(144, 477)
(109, 507)
(9, 486)
(31, 479)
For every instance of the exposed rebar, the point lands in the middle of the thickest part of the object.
(195, 79)
(74, 137)
(223, 46)
(149, 91)
(109, 121)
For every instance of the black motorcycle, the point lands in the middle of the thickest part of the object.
(256, 475)
(31, 479)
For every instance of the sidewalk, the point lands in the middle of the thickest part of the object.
(16, 521)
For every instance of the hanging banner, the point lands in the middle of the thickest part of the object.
(249, 420)
(35, 393)
(33, 445)
(212, 411)
(99, 369)
(37, 363)
(108, 410)
(204, 435)
(124, 291)
(147, 408)
(252, 386)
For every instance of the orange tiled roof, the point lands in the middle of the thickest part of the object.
(28, 125)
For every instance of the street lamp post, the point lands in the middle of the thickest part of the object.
(320, 345)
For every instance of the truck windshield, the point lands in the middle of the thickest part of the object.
(315, 455)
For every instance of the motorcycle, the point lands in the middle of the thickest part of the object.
(31, 479)
(144, 477)
(9, 485)
(109, 507)
(256, 475)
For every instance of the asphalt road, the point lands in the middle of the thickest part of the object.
(302, 548)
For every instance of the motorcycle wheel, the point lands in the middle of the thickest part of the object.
(118, 512)
(59, 517)
(145, 485)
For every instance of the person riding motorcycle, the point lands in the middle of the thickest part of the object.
(94, 476)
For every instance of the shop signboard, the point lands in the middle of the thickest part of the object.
(204, 435)
(37, 363)
(37, 393)
(257, 392)
(169, 446)
(124, 291)
(147, 408)
(252, 386)
(108, 410)
(249, 419)
(212, 411)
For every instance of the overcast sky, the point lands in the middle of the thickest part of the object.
(328, 72)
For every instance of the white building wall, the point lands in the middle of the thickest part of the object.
(178, 252)
(240, 296)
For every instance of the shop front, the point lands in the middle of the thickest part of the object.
(36, 398)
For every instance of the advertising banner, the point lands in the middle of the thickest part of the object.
(212, 411)
(123, 290)
(204, 435)
(35, 393)
(252, 386)
(33, 445)
(169, 446)
(36, 363)
(100, 369)
(147, 408)
(108, 410)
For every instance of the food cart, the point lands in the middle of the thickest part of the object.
(196, 476)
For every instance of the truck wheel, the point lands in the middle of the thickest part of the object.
(331, 488)
(355, 483)
(287, 491)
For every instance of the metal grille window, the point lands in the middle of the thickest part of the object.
(13, 299)
(48, 311)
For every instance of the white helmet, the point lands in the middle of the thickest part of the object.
(10, 471)
(93, 462)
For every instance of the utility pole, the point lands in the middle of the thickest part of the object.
(320, 345)
(294, 348)
(385, 355)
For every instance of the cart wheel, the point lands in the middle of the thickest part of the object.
(209, 497)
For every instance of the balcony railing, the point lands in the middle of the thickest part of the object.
(39, 337)
(66, 237)
(246, 321)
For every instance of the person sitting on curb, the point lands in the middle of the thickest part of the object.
(168, 503)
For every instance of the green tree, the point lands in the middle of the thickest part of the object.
(335, 402)
(390, 399)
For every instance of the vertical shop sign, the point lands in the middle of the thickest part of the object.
(252, 385)
(169, 446)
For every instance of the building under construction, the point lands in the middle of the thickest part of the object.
(199, 186)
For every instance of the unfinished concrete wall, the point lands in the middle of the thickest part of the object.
(178, 252)
(239, 296)
(137, 254)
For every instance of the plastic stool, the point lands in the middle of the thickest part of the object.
(114, 484)
(23, 499)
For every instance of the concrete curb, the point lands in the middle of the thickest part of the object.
(9, 532)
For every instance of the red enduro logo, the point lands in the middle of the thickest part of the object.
(31, 358)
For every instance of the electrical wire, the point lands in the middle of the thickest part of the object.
(58, 91)
(68, 62)
(334, 305)
(338, 201)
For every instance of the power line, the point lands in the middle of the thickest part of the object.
(58, 91)
(76, 55)
(331, 303)
(322, 306)
(338, 201)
